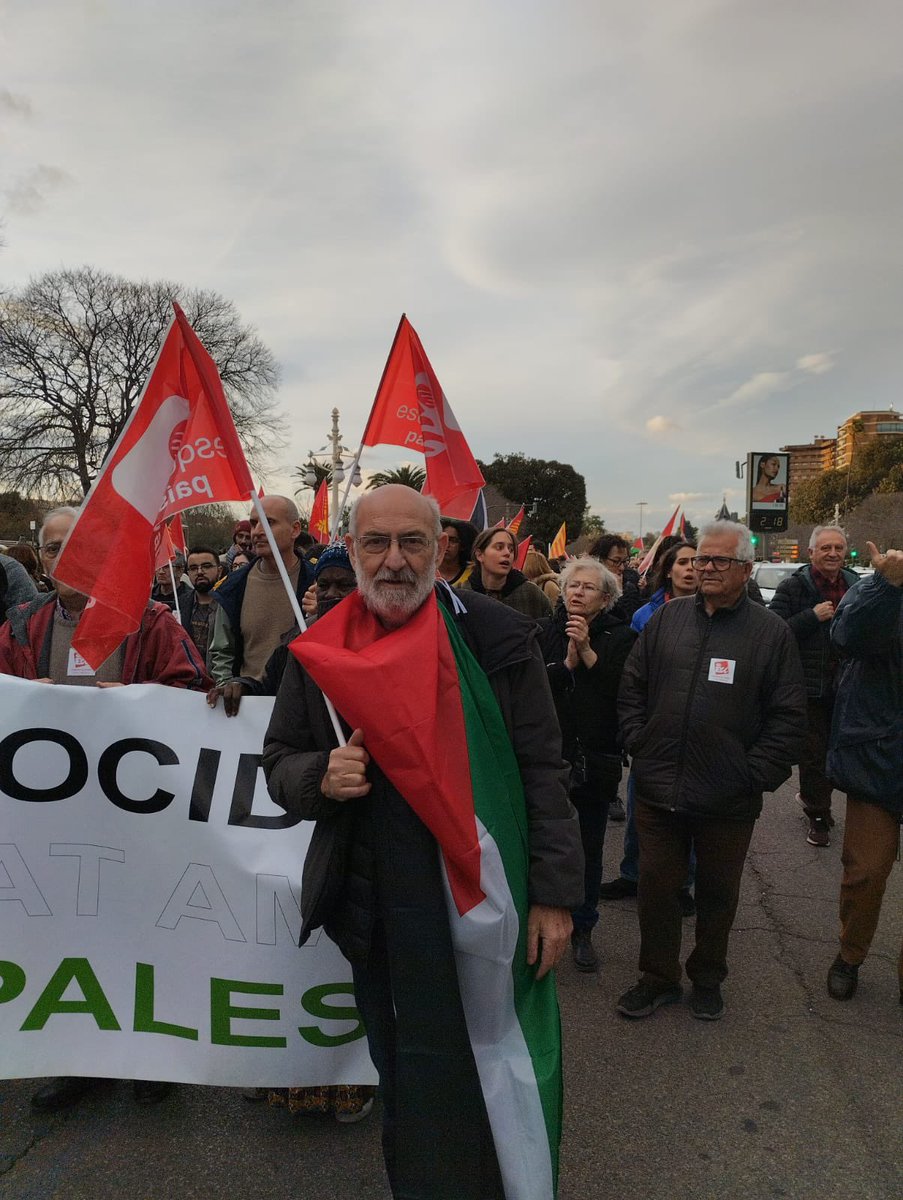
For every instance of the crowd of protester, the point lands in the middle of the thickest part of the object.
(683, 674)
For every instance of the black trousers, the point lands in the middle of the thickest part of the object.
(721, 847)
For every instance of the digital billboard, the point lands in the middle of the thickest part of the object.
(767, 492)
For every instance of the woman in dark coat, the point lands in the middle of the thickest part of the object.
(585, 645)
(494, 574)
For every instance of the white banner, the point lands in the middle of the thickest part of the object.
(149, 899)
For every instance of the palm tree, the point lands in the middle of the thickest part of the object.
(412, 477)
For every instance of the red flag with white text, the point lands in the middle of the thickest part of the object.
(318, 525)
(178, 449)
(410, 410)
(164, 550)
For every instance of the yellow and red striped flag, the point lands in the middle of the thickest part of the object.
(558, 548)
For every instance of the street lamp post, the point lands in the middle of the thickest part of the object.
(337, 454)
(641, 504)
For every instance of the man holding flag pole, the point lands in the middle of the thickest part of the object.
(445, 854)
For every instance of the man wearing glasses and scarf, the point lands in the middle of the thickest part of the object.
(713, 714)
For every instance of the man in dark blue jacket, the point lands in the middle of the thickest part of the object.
(866, 757)
(807, 600)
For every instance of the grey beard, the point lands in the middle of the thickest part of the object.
(388, 604)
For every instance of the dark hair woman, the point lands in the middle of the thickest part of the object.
(585, 645)
(674, 576)
(456, 566)
(494, 574)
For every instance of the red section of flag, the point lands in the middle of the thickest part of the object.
(411, 410)
(412, 720)
(666, 532)
(318, 525)
(164, 550)
(672, 524)
(558, 548)
(522, 549)
(638, 544)
(177, 534)
(517, 522)
(178, 449)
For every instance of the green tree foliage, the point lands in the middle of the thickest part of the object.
(407, 476)
(592, 523)
(556, 489)
(211, 526)
(876, 466)
(76, 348)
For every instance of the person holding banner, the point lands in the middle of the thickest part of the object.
(445, 857)
(36, 643)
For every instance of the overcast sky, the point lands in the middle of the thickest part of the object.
(641, 237)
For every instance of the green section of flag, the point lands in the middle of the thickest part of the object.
(499, 804)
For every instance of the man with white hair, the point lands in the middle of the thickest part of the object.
(445, 856)
(807, 600)
(712, 708)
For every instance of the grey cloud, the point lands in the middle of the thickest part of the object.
(14, 105)
(30, 192)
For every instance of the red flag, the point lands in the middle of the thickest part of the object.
(417, 738)
(178, 449)
(522, 549)
(177, 534)
(558, 548)
(318, 525)
(260, 492)
(649, 557)
(517, 522)
(411, 410)
(164, 550)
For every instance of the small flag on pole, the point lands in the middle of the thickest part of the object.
(517, 522)
(318, 525)
(558, 548)
(522, 551)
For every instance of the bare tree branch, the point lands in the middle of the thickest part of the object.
(77, 347)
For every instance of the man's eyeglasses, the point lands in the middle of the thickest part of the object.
(51, 549)
(412, 545)
(616, 562)
(721, 562)
(195, 567)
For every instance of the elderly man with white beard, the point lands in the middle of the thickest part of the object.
(445, 855)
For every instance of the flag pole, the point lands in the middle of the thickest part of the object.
(337, 516)
(175, 594)
(293, 601)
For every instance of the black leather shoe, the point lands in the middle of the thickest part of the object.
(585, 957)
(617, 889)
(61, 1093)
(148, 1091)
(843, 979)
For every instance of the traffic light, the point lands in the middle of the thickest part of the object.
(754, 539)
(854, 554)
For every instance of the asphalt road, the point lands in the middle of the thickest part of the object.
(791, 1095)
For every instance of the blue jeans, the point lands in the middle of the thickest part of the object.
(630, 863)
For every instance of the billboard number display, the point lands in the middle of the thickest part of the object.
(767, 493)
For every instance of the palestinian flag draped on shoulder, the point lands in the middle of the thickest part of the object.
(432, 724)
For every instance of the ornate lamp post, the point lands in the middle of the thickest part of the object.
(335, 455)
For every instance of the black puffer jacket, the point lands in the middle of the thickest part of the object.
(337, 885)
(865, 756)
(587, 700)
(713, 709)
(794, 600)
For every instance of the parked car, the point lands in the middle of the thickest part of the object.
(768, 575)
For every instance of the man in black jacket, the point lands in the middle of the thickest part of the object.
(866, 757)
(807, 600)
(712, 708)
(373, 877)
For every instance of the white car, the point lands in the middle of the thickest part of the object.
(769, 574)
